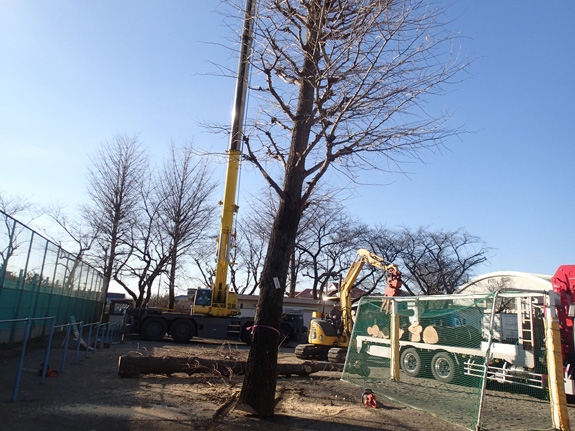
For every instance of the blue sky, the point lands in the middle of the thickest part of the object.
(75, 73)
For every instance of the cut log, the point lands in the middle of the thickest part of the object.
(415, 331)
(373, 330)
(462, 336)
(133, 366)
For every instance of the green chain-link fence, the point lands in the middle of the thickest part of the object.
(429, 353)
(40, 279)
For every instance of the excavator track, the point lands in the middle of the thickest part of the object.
(312, 351)
(336, 355)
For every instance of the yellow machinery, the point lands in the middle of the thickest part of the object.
(329, 337)
(219, 301)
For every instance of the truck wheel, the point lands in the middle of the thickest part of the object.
(246, 334)
(182, 330)
(443, 367)
(410, 361)
(154, 328)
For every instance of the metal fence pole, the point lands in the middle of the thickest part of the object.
(66, 343)
(79, 341)
(21, 361)
(48, 349)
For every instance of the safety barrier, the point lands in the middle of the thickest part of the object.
(98, 335)
(480, 361)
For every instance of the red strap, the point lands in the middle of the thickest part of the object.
(251, 328)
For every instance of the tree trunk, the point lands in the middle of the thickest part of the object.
(172, 279)
(259, 386)
(133, 366)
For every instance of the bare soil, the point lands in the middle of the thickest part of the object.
(89, 395)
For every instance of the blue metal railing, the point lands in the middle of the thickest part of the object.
(102, 333)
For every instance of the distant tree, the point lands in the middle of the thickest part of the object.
(11, 207)
(438, 262)
(185, 213)
(76, 230)
(146, 251)
(115, 183)
(327, 243)
(341, 87)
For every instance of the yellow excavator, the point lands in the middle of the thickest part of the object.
(329, 336)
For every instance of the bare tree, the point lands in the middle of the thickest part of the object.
(146, 251)
(114, 187)
(185, 188)
(342, 86)
(327, 243)
(438, 262)
(11, 206)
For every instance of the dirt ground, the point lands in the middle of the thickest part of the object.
(90, 396)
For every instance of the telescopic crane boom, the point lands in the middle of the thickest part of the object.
(224, 302)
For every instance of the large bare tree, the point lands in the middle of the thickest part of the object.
(115, 184)
(184, 188)
(341, 87)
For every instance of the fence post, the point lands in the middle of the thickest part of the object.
(21, 361)
(394, 333)
(66, 343)
(557, 396)
(80, 330)
(48, 348)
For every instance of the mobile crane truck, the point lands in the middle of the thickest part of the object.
(328, 339)
(215, 312)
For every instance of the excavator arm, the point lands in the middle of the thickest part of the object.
(364, 256)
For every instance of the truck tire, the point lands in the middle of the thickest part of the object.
(154, 328)
(182, 330)
(443, 367)
(411, 363)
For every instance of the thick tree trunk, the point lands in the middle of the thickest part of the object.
(259, 386)
(134, 366)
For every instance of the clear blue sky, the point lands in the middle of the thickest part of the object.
(75, 73)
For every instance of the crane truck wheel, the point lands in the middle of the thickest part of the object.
(443, 367)
(154, 328)
(410, 361)
(182, 330)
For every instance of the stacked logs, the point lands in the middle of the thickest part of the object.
(448, 335)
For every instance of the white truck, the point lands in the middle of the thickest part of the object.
(515, 346)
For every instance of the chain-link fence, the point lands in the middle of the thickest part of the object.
(479, 361)
(39, 279)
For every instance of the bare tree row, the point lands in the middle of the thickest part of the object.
(432, 261)
(142, 221)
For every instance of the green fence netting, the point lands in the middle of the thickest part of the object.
(40, 279)
(441, 350)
